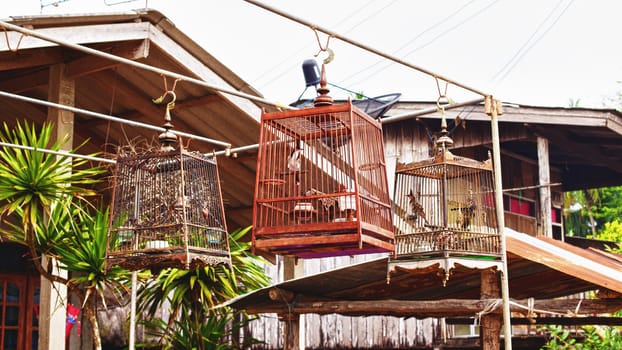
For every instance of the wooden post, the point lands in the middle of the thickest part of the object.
(294, 328)
(490, 324)
(52, 309)
(544, 179)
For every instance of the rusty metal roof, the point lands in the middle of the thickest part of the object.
(538, 267)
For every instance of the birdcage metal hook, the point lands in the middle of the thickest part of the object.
(167, 138)
(330, 53)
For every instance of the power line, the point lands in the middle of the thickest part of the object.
(456, 26)
(521, 52)
(408, 43)
(287, 69)
(367, 48)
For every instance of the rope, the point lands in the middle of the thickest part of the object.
(487, 309)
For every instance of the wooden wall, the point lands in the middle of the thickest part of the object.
(335, 331)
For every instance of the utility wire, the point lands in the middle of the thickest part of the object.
(301, 49)
(429, 42)
(290, 67)
(522, 51)
(433, 26)
(366, 47)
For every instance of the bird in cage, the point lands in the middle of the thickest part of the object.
(466, 214)
(416, 207)
(293, 163)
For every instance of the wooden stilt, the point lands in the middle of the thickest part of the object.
(490, 324)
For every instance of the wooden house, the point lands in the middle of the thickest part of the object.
(545, 151)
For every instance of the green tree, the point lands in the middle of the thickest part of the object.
(198, 319)
(44, 204)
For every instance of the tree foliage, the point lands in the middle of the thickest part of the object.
(194, 300)
(44, 204)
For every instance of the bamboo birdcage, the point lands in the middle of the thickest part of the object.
(167, 210)
(444, 207)
(321, 187)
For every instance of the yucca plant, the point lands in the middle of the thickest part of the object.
(196, 317)
(44, 204)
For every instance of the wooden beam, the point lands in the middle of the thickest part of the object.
(10, 60)
(544, 177)
(98, 33)
(85, 65)
(435, 308)
(52, 311)
(81, 66)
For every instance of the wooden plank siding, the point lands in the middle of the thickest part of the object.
(343, 332)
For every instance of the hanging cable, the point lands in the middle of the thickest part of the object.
(108, 117)
(147, 67)
(364, 47)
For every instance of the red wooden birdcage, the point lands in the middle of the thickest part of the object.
(444, 207)
(167, 209)
(321, 186)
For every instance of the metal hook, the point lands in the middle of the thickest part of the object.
(325, 48)
(169, 106)
(8, 42)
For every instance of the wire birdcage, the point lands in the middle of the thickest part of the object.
(321, 186)
(167, 209)
(444, 206)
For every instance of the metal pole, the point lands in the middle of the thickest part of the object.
(362, 46)
(111, 118)
(147, 67)
(410, 115)
(132, 335)
(492, 108)
(58, 153)
(386, 120)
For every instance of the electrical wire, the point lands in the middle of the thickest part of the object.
(429, 42)
(285, 70)
(433, 26)
(366, 47)
(522, 51)
(298, 51)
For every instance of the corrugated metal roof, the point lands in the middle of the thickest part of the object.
(538, 268)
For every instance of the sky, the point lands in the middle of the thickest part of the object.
(529, 52)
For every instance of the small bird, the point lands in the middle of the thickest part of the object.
(468, 212)
(416, 207)
(293, 163)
